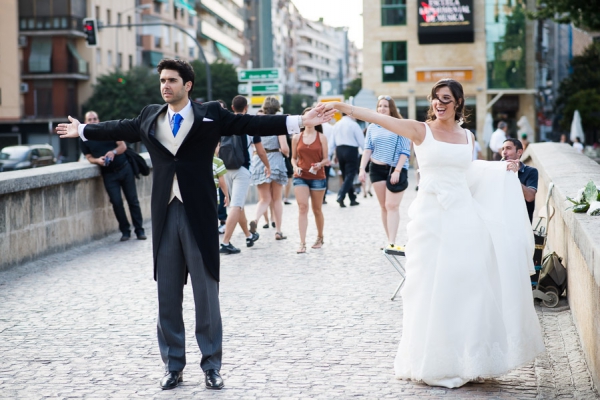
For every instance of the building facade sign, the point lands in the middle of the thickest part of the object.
(461, 75)
(445, 21)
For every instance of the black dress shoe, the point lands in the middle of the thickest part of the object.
(354, 203)
(171, 380)
(142, 236)
(341, 203)
(213, 379)
(125, 238)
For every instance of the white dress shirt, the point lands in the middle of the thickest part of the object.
(497, 140)
(346, 132)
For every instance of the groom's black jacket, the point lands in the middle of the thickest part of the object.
(192, 163)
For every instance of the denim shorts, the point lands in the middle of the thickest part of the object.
(313, 184)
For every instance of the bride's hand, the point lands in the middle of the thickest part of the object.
(512, 165)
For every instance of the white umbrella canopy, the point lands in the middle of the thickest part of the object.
(488, 129)
(577, 128)
(525, 127)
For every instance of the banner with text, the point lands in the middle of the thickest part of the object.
(445, 21)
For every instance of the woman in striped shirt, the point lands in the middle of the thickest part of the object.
(388, 154)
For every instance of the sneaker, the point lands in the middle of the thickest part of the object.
(286, 201)
(229, 249)
(250, 241)
(222, 229)
(397, 250)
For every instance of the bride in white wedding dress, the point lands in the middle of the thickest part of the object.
(467, 305)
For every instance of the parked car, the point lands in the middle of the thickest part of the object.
(27, 156)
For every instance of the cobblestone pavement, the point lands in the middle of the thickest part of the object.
(81, 324)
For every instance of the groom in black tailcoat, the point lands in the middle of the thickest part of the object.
(181, 137)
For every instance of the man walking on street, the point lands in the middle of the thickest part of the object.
(117, 174)
(181, 137)
(238, 178)
(497, 139)
(347, 137)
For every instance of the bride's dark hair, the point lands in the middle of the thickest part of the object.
(460, 113)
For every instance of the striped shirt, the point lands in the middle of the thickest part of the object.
(383, 142)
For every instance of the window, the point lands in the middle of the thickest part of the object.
(393, 61)
(97, 12)
(107, 17)
(109, 58)
(118, 18)
(130, 61)
(129, 22)
(393, 12)
(98, 56)
(119, 60)
(157, 7)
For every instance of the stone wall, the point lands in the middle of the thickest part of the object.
(574, 237)
(50, 209)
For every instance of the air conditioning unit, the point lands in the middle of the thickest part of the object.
(22, 41)
(24, 87)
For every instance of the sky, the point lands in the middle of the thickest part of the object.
(335, 13)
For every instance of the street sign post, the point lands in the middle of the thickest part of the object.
(260, 74)
(260, 88)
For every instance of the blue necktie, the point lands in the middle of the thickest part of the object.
(176, 123)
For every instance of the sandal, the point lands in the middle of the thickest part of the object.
(279, 236)
(302, 249)
(318, 243)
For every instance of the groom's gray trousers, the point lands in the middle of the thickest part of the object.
(178, 249)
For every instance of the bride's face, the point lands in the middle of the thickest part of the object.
(444, 104)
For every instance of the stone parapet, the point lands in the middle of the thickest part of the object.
(50, 209)
(574, 237)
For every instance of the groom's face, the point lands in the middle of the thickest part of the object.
(172, 88)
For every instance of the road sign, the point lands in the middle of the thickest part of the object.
(324, 99)
(260, 74)
(261, 88)
(259, 100)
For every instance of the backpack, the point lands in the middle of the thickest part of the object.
(232, 152)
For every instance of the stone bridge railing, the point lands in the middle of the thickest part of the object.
(574, 237)
(50, 209)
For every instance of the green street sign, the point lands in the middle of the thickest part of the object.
(261, 88)
(261, 74)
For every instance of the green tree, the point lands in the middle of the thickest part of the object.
(353, 88)
(581, 91)
(581, 13)
(224, 81)
(293, 103)
(123, 94)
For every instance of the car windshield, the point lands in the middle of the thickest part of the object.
(13, 153)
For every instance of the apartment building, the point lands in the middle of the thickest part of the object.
(11, 98)
(157, 42)
(307, 51)
(221, 29)
(487, 45)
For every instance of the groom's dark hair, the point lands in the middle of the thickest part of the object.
(183, 67)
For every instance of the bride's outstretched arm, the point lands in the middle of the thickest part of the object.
(408, 128)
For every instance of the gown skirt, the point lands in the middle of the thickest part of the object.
(467, 304)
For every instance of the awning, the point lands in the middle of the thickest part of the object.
(225, 52)
(81, 63)
(151, 58)
(40, 59)
(187, 4)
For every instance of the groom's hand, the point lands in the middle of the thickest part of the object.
(68, 130)
(317, 116)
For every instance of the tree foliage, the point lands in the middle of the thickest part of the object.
(583, 14)
(224, 81)
(123, 94)
(581, 91)
(353, 88)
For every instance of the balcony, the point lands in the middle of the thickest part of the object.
(52, 25)
(217, 35)
(224, 11)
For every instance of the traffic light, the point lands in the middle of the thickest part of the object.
(318, 87)
(121, 80)
(90, 28)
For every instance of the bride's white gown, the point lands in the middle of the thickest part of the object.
(468, 307)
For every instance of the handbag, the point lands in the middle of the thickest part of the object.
(402, 183)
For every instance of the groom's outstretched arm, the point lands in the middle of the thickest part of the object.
(118, 130)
